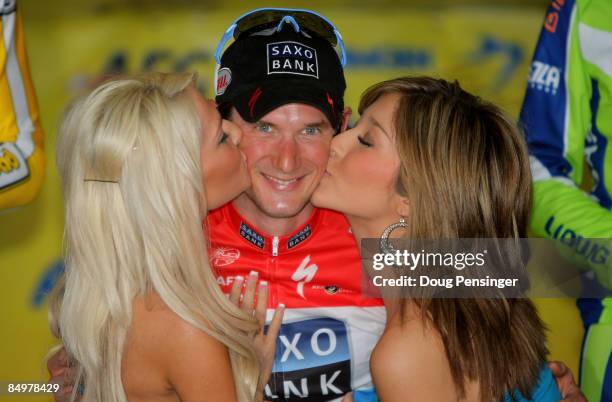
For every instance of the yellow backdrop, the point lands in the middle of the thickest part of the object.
(486, 49)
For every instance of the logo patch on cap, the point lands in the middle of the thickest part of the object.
(292, 58)
(224, 77)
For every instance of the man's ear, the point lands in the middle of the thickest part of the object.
(346, 118)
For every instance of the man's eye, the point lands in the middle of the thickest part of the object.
(362, 141)
(311, 130)
(224, 138)
(264, 128)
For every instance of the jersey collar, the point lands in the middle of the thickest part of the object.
(273, 245)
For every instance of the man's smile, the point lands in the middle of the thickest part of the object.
(283, 184)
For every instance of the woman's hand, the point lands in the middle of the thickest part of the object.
(265, 341)
(61, 373)
(565, 381)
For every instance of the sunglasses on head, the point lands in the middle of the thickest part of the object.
(274, 18)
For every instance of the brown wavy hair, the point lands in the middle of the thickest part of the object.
(465, 171)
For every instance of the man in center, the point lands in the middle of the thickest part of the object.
(284, 87)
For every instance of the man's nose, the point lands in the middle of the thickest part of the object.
(287, 156)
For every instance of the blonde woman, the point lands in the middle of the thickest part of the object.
(142, 159)
(452, 166)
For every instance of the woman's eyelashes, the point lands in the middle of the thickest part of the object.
(226, 129)
(363, 142)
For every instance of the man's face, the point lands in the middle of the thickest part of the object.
(287, 152)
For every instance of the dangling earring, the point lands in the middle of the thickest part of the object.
(385, 245)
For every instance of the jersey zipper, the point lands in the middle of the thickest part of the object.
(275, 246)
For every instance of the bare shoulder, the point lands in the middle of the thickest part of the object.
(185, 360)
(161, 326)
(154, 329)
(409, 364)
(143, 370)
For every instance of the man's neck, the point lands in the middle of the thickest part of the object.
(268, 224)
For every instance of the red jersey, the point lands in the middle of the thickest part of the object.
(329, 329)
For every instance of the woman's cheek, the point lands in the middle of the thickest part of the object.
(364, 171)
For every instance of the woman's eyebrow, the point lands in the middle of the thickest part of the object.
(377, 124)
(220, 130)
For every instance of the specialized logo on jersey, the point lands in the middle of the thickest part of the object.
(305, 272)
(312, 362)
(252, 236)
(13, 166)
(300, 237)
(223, 256)
(224, 78)
(292, 58)
(544, 77)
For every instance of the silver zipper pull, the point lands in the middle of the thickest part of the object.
(275, 246)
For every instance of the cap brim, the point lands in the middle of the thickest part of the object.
(252, 107)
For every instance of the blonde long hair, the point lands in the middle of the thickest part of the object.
(465, 171)
(128, 156)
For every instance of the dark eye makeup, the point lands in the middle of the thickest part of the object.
(363, 142)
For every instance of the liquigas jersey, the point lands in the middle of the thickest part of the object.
(22, 161)
(329, 327)
(567, 117)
